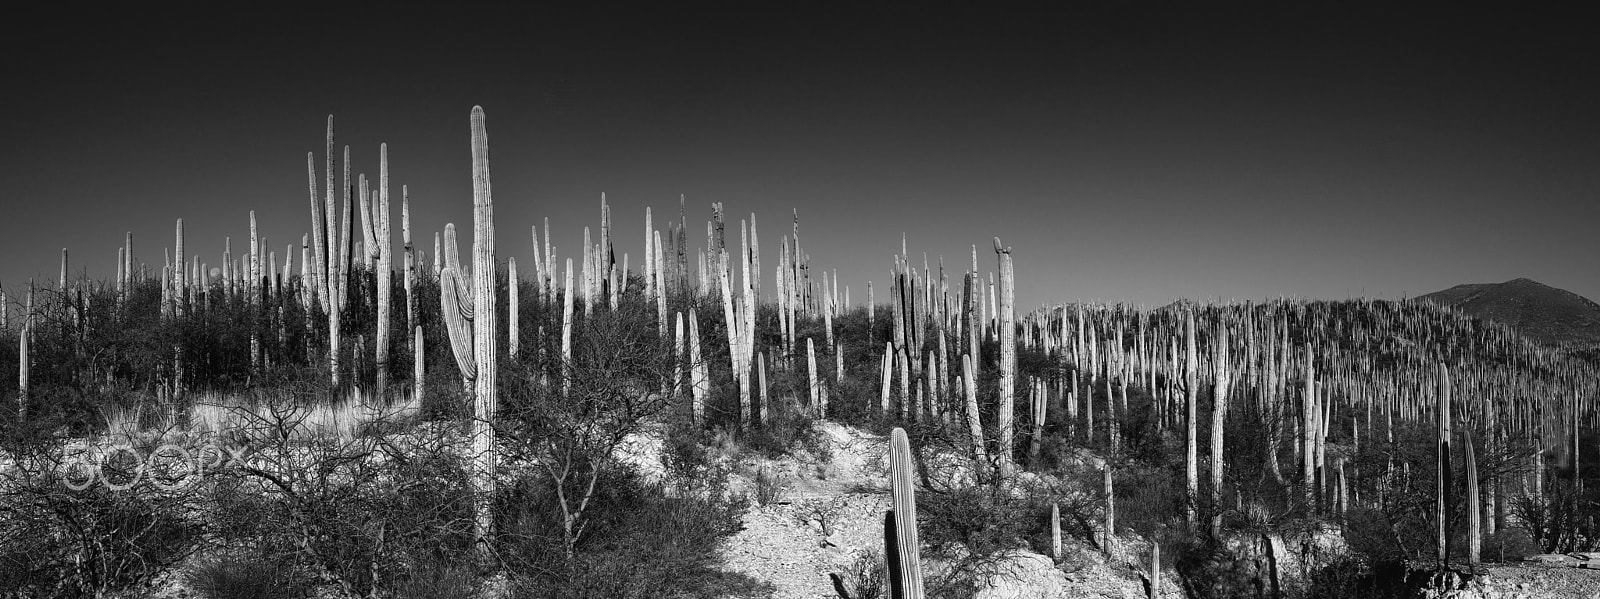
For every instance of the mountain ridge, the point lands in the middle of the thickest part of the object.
(1548, 315)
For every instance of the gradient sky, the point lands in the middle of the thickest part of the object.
(1136, 154)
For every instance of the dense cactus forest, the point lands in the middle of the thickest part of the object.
(324, 416)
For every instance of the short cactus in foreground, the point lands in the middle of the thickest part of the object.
(1155, 570)
(1055, 530)
(905, 566)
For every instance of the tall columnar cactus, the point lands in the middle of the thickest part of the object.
(1219, 416)
(549, 262)
(608, 258)
(904, 369)
(1277, 376)
(127, 264)
(458, 309)
(930, 383)
(368, 253)
(513, 298)
(1111, 510)
(660, 284)
(751, 260)
(1577, 470)
(122, 288)
(303, 292)
(680, 352)
(1308, 428)
(650, 262)
(905, 566)
(338, 264)
(330, 238)
(838, 364)
(589, 265)
(980, 454)
(385, 259)
(410, 257)
(567, 294)
(872, 312)
(974, 299)
(419, 372)
(23, 360)
(483, 283)
(180, 307)
(827, 311)
(1008, 357)
(811, 378)
(539, 277)
(1040, 404)
(1114, 369)
(761, 378)
(1055, 530)
(887, 371)
(1155, 570)
(252, 289)
(1494, 509)
(1474, 515)
(1191, 382)
(347, 240)
(180, 283)
(1072, 406)
(1441, 508)
(736, 325)
(699, 384)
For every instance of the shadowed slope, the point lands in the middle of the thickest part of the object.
(1544, 313)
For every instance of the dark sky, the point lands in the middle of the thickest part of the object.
(1135, 154)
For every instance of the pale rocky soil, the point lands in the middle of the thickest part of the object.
(1537, 582)
(832, 515)
(1552, 576)
(828, 517)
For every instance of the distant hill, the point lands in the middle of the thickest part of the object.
(1543, 313)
